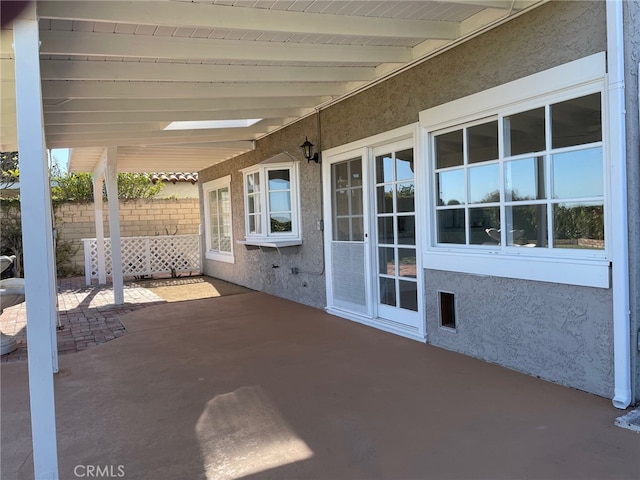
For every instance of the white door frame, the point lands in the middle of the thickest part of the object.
(365, 148)
(328, 162)
(394, 316)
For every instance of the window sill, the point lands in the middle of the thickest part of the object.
(220, 257)
(270, 242)
(588, 273)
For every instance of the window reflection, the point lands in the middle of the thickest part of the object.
(484, 184)
(483, 142)
(384, 168)
(451, 228)
(449, 149)
(385, 230)
(407, 230)
(405, 194)
(385, 198)
(527, 225)
(407, 262)
(524, 132)
(451, 187)
(566, 186)
(577, 121)
(387, 291)
(279, 180)
(279, 201)
(524, 179)
(408, 295)
(578, 225)
(387, 261)
(578, 174)
(280, 222)
(404, 165)
(480, 220)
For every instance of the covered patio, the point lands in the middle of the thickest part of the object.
(255, 386)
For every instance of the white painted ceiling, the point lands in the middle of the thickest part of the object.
(116, 73)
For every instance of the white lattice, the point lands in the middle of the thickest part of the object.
(147, 255)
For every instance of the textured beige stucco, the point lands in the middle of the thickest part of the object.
(533, 313)
(544, 38)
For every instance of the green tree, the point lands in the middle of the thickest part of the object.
(78, 187)
(9, 172)
(132, 186)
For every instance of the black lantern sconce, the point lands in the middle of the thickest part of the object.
(307, 148)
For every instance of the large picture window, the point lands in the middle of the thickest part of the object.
(218, 233)
(519, 179)
(532, 178)
(271, 203)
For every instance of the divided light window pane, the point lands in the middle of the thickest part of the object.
(524, 132)
(483, 142)
(577, 121)
(451, 226)
(578, 174)
(527, 225)
(578, 225)
(524, 179)
(449, 149)
(451, 187)
(484, 184)
(404, 165)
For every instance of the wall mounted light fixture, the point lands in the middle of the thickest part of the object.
(307, 149)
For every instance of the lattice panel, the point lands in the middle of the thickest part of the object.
(135, 256)
(177, 252)
(148, 255)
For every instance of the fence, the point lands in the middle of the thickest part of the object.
(146, 255)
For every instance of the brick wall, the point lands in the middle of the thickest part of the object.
(137, 218)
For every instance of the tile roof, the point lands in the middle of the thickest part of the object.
(174, 177)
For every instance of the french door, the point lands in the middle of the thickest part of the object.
(397, 278)
(372, 250)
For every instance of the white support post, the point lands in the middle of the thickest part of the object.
(37, 234)
(88, 264)
(99, 219)
(114, 224)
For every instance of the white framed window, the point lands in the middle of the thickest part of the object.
(540, 183)
(218, 225)
(272, 212)
(518, 176)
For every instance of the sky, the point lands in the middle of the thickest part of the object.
(61, 156)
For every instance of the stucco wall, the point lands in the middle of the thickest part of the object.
(632, 62)
(578, 319)
(137, 218)
(549, 36)
(558, 332)
(254, 267)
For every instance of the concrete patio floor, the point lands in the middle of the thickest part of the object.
(256, 387)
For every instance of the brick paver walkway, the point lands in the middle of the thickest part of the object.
(87, 315)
